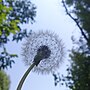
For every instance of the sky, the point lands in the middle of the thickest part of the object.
(50, 16)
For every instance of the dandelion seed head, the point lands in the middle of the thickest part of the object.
(54, 45)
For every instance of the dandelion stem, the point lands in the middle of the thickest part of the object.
(24, 76)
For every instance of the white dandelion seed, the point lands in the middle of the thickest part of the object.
(54, 45)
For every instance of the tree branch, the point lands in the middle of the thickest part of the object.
(75, 20)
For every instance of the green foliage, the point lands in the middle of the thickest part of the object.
(13, 13)
(78, 74)
(20, 12)
(5, 24)
(4, 81)
(81, 8)
(78, 77)
(69, 2)
(6, 59)
(80, 71)
(4, 10)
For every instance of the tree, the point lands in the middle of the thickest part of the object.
(80, 71)
(4, 81)
(12, 14)
(81, 10)
(78, 77)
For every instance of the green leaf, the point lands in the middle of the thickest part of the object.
(13, 55)
(0, 32)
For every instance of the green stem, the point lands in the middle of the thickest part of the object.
(24, 77)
